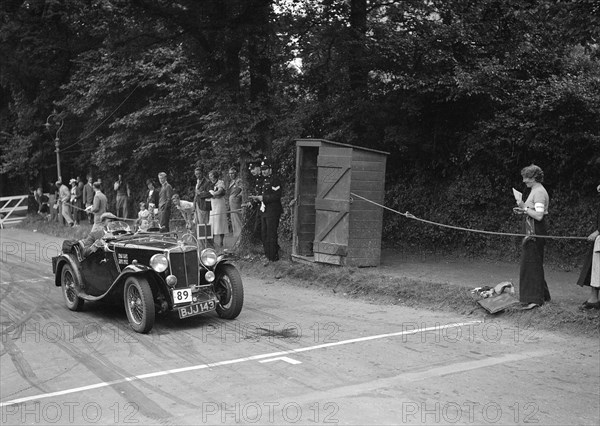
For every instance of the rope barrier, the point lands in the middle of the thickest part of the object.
(458, 228)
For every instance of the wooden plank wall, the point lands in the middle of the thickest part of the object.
(307, 178)
(366, 219)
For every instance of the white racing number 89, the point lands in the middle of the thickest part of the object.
(182, 295)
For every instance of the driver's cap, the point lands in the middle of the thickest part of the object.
(108, 215)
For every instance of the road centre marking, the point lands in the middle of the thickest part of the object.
(282, 358)
(233, 361)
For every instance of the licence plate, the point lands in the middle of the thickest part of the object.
(197, 309)
(182, 295)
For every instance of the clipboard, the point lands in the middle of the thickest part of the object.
(518, 195)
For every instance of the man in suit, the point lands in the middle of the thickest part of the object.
(164, 202)
(88, 198)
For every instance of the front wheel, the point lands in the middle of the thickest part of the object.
(69, 284)
(230, 292)
(139, 304)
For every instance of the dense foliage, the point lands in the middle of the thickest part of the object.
(461, 93)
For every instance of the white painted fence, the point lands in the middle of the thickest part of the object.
(13, 209)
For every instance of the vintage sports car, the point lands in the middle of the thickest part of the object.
(152, 273)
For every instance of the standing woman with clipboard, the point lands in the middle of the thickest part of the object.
(533, 289)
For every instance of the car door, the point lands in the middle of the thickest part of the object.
(99, 271)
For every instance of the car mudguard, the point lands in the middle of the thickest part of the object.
(129, 270)
(59, 261)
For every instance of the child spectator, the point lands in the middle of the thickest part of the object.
(143, 217)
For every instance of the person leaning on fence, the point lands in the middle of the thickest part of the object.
(186, 208)
(533, 289)
(590, 271)
(42, 201)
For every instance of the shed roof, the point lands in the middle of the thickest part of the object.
(319, 142)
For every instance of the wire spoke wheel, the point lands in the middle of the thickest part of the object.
(139, 304)
(69, 283)
(230, 291)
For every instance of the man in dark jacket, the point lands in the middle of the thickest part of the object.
(270, 211)
(164, 202)
(88, 198)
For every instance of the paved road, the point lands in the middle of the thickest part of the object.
(294, 356)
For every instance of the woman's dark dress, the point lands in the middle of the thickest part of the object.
(532, 283)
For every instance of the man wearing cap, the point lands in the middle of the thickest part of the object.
(98, 207)
(64, 196)
(270, 211)
(93, 241)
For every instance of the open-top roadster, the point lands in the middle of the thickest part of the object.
(152, 273)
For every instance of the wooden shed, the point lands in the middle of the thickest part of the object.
(331, 225)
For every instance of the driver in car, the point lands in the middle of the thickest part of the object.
(93, 241)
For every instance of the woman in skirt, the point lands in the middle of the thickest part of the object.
(533, 289)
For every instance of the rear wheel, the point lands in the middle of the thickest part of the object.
(230, 291)
(139, 304)
(69, 284)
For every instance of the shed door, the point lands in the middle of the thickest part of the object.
(332, 205)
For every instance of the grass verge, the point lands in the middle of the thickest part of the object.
(368, 284)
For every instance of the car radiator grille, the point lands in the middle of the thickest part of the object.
(185, 267)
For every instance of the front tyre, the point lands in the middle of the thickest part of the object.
(69, 284)
(139, 304)
(230, 291)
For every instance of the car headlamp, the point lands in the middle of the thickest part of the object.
(171, 280)
(208, 257)
(159, 262)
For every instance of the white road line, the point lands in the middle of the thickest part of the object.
(232, 361)
(282, 358)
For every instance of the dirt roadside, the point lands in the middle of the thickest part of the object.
(473, 273)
